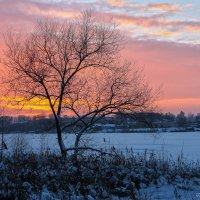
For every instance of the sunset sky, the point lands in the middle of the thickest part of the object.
(163, 37)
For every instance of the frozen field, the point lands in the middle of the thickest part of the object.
(167, 144)
(171, 144)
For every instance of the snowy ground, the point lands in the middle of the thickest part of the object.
(170, 144)
(171, 192)
(167, 144)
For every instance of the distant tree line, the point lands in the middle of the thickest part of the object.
(25, 124)
(159, 120)
(38, 124)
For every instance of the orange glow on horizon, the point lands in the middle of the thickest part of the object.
(40, 106)
(176, 105)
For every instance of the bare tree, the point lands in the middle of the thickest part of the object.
(105, 93)
(3, 125)
(75, 66)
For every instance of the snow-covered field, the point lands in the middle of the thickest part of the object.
(170, 144)
(182, 186)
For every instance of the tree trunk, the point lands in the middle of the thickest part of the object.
(60, 140)
(76, 144)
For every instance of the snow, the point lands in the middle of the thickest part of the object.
(174, 184)
(170, 144)
(138, 177)
(167, 192)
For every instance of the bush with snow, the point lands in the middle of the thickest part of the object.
(94, 176)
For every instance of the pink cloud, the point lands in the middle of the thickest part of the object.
(19, 11)
(142, 21)
(166, 7)
(188, 25)
(154, 21)
(116, 3)
(165, 27)
(162, 7)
